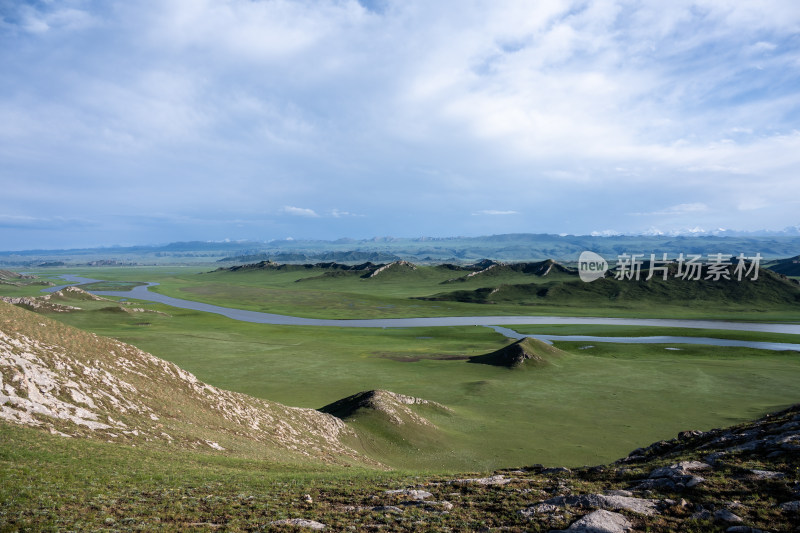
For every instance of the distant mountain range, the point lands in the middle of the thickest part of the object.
(698, 231)
(459, 250)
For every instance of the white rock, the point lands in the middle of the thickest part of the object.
(601, 522)
(491, 480)
(637, 505)
(727, 516)
(298, 522)
(411, 493)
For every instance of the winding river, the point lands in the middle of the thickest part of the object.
(142, 292)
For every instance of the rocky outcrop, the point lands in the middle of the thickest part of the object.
(397, 266)
(47, 304)
(643, 506)
(39, 303)
(762, 436)
(747, 489)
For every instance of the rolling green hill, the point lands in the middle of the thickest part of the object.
(770, 290)
(787, 267)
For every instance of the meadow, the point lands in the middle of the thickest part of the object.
(589, 406)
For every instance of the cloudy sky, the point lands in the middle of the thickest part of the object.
(149, 121)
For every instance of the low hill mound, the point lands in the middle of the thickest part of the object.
(7, 275)
(15, 279)
(72, 383)
(394, 428)
(47, 303)
(76, 293)
(522, 352)
(394, 407)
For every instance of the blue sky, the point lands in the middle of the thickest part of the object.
(149, 121)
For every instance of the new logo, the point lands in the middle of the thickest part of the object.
(591, 266)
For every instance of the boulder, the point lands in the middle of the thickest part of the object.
(601, 501)
(600, 522)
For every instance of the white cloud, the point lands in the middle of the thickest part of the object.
(243, 106)
(39, 21)
(679, 209)
(299, 211)
(336, 213)
(605, 233)
(251, 31)
(494, 212)
(41, 223)
(761, 47)
(752, 203)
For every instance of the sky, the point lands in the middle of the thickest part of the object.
(152, 121)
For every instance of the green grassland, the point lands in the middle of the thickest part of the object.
(589, 407)
(500, 417)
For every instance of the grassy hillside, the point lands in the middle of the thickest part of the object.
(748, 473)
(73, 383)
(770, 291)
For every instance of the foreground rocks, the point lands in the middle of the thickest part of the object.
(728, 480)
(613, 502)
